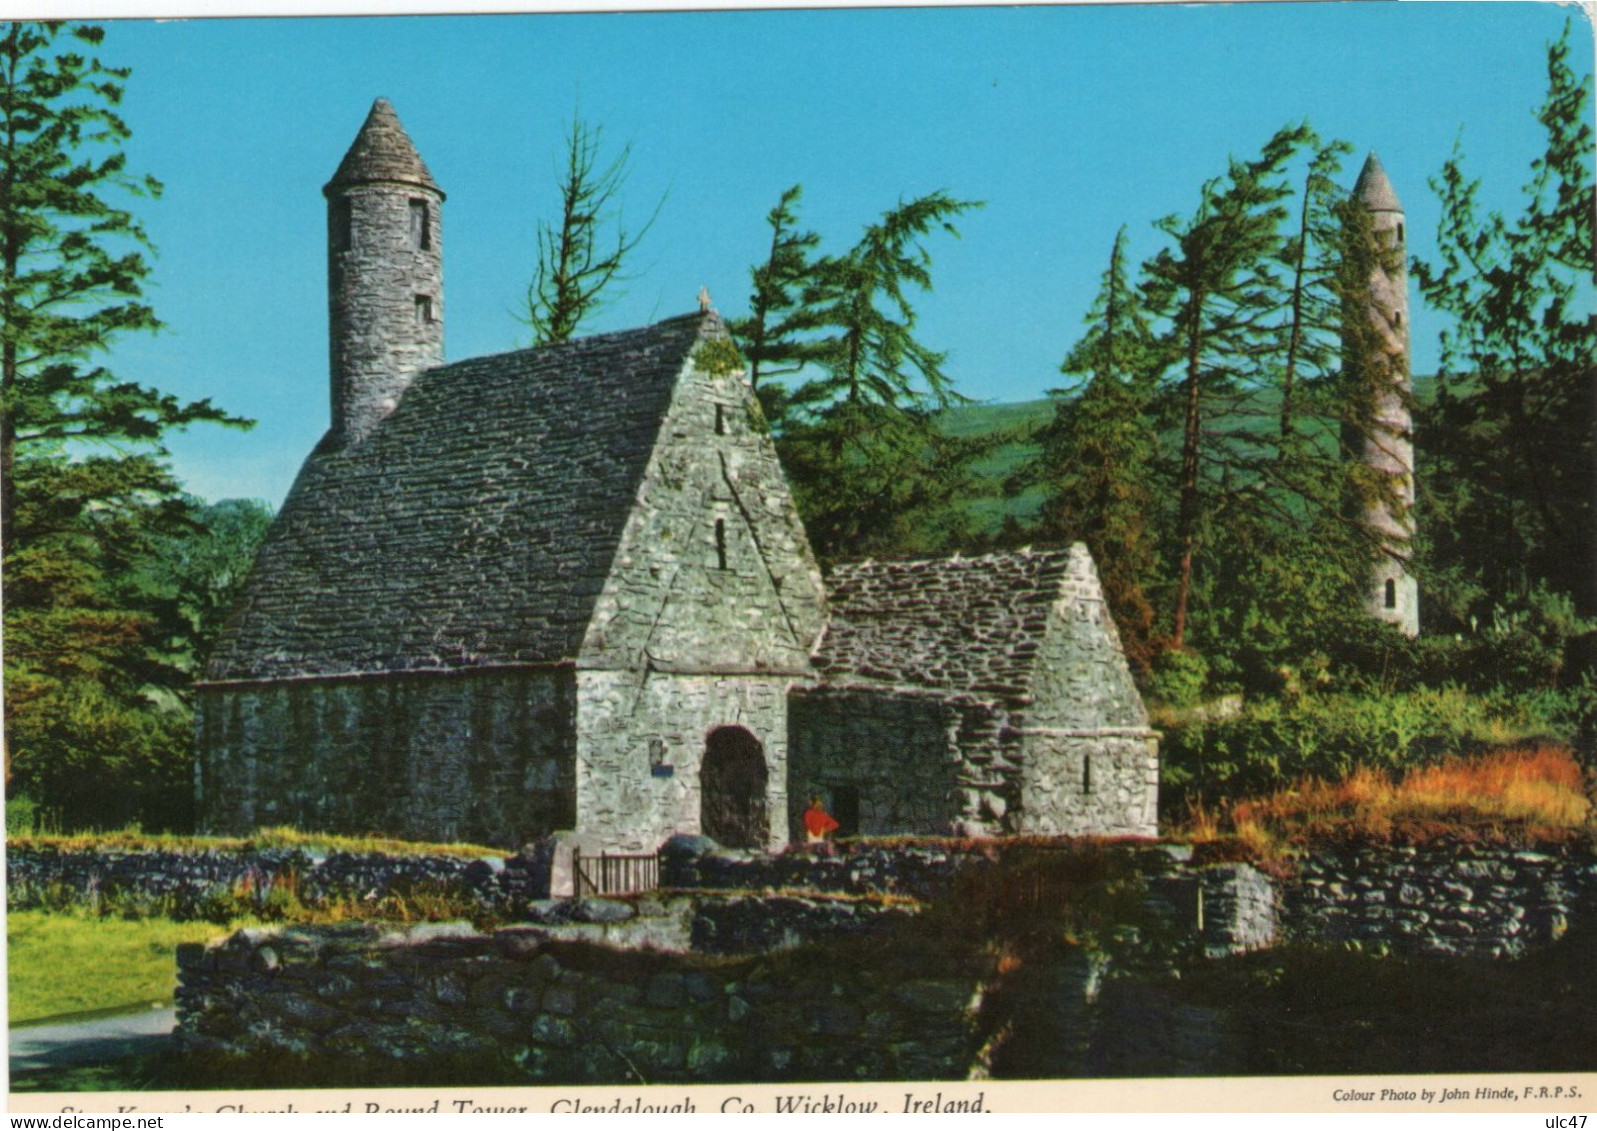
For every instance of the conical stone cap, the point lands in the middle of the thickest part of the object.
(1374, 188)
(382, 152)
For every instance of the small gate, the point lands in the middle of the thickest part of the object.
(607, 874)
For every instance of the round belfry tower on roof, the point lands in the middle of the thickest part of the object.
(1386, 444)
(385, 273)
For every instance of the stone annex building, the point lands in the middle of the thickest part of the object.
(566, 588)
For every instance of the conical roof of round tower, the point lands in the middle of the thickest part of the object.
(382, 151)
(1374, 188)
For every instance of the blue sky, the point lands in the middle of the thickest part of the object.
(1067, 121)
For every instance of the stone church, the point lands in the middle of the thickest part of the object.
(566, 588)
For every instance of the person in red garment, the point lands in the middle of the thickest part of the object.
(819, 826)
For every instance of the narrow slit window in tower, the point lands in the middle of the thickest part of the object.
(341, 225)
(1397, 319)
(1086, 773)
(1391, 593)
(720, 543)
(421, 232)
(1400, 231)
(720, 420)
(424, 310)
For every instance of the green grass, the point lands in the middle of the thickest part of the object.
(74, 963)
(136, 840)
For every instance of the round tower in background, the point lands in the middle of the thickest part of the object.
(1386, 440)
(385, 273)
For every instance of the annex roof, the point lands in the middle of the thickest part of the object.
(474, 527)
(956, 624)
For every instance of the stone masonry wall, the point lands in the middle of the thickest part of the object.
(1477, 902)
(713, 574)
(1101, 782)
(924, 764)
(382, 332)
(192, 885)
(486, 757)
(629, 806)
(547, 1010)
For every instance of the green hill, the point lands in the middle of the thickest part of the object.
(1014, 423)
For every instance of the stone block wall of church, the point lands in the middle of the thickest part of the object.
(486, 757)
(898, 750)
(642, 744)
(1075, 784)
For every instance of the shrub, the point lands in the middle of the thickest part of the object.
(1272, 743)
(1178, 678)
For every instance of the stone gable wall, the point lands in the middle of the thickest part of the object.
(484, 757)
(1080, 678)
(1076, 783)
(713, 573)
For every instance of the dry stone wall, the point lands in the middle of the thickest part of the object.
(196, 885)
(1464, 901)
(550, 1010)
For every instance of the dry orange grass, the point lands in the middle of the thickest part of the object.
(1535, 792)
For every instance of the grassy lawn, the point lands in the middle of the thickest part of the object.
(72, 963)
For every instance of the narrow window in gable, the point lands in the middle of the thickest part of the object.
(342, 224)
(421, 232)
(720, 543)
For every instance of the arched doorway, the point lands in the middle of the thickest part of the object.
(732, 790)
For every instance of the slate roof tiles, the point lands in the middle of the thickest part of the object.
(950, 624)
(475, 526)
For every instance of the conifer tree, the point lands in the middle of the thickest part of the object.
(1219, 291)
(1096, 457)
(870, 469)
(87, 493)
(1511, 433)
(582, 255)
(771, 333)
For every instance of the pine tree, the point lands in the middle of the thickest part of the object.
(87, 493)
(1511, 433)
(1096, 457)
(1219, 291)
(871, 471)
(771, 334)
(582, 256)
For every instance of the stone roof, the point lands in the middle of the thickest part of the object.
(382, 151)
(1374, 188)
(954, 624)
(474, 526)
